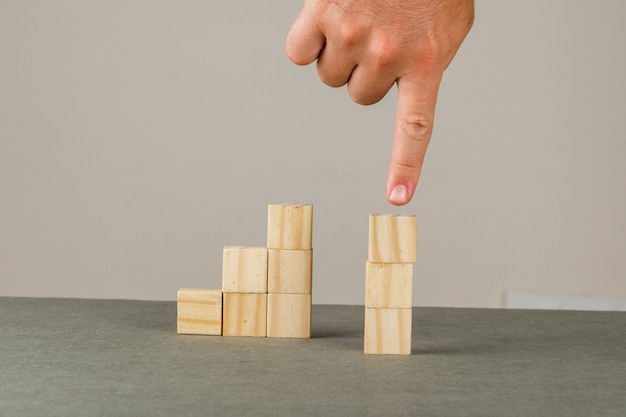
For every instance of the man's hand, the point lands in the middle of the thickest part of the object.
(372, 44)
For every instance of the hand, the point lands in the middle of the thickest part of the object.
(372, 44)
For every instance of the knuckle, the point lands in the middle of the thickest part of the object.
(349, 40)
(417, 128)
(351, 35)
(384, 53)
(430, 58)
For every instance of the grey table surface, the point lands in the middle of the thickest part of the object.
(70, 357)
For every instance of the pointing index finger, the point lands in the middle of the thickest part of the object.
(417, 97)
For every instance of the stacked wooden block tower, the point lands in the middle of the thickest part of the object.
(389, 284)
(266, 291)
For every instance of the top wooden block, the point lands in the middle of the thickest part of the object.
(289, 226)
(392, 238)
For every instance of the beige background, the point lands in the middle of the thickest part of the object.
(137, 138)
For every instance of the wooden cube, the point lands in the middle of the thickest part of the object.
(388, 331)
(388, 285)
(289, 271)
(245, 315)
(289, 315)
(199, 311)
(392, 238)
(289, 226)
(244, 270)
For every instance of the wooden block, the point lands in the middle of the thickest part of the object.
(245, 315)
(289, 226)
(199, 311)
(392, 238)
(388, 331)
(244, 270)
(289, 315)
(388, 285)
(289, 271)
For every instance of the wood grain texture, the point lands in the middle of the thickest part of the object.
(199, 311)
(244, 270)
(392, 238)
(289, 271)
(289, 315)
(289, 226)
(388, 285)
(245, 315)
(388, 331)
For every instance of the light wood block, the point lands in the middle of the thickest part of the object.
(244, 270)
(388, 285)
(392, 238)
(289, 271)
(199, 311)
(289, 315)
(388, 331)
(245, 315)
(289, 226)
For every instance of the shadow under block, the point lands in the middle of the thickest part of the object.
(289, 271)
(289, 315)
(289, 226)
(392, 238)
(388, 285)
(199, 311)
(245, 315)
(388, 331)
(244, 270)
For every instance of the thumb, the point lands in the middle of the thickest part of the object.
(417, 97)
(305, 39)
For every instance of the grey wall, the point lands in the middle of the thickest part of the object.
(137, 138)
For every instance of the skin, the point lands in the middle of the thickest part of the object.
(370, 45)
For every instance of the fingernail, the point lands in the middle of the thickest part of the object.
(398, 194)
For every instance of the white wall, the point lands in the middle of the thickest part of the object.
(137, 138)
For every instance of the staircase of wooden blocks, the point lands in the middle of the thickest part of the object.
(266, 291)
(389, 284)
